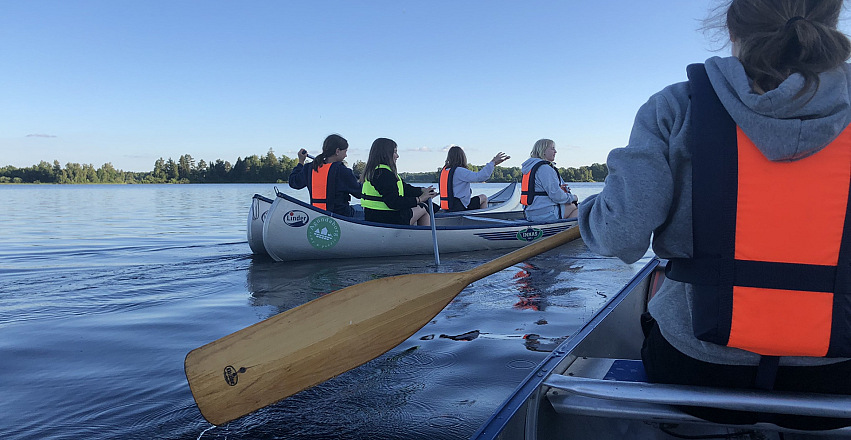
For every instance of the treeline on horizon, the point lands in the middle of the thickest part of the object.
(252, 169)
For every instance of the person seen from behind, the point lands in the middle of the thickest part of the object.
(545, 196)
(756, 297)
(330, 182)
(386, 198)
(456, 177)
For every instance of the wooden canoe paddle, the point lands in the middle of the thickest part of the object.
(309, 344)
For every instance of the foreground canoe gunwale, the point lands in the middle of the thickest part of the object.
(593, 385)
(523, 394)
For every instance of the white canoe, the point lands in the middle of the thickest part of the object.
(506, 199)
(593, 386)
(257, 213)
(294, 230)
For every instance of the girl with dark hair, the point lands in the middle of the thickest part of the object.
(756, 296)
(386, 198)
(330, 182)
(455, 179)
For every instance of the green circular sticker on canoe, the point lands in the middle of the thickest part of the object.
(529, 234)
(323, 232)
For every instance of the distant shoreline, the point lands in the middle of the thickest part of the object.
(252, 169)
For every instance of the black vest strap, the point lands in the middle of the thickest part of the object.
(450, 184)
(530, 193)
(840, 334)
(713, 146)
(811, 278)
(766, 372)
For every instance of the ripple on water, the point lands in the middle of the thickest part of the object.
(520, 364)
(413, 360)
(99, 331)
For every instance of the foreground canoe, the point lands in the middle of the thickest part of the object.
(294, 230)
(506, 199)
(593, 386)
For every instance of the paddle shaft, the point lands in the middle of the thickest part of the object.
(311, 343)
(522, 254)
(433, 233)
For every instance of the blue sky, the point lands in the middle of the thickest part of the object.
(127, 82)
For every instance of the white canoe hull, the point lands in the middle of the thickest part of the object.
(257, 213)
(505, 200)
(294, 230)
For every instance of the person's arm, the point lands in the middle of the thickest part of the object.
(548, 179)
(637, 198)
(347, 182)
(298, 177)
(572, 198)
(385, 183)
(483, 174)
(422, 193)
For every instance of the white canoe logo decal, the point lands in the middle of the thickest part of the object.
(323, 232)
(529, 234)
(296, 218)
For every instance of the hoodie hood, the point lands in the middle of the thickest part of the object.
(784, 127)
(528, 163)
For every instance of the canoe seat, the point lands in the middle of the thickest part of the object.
(617, 388)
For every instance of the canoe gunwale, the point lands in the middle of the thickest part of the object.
(598, 387)
(523, 394)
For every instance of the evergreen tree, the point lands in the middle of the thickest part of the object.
(358, 168)
(159, 174)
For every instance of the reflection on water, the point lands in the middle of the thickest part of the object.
(100, 306)
(535, 283)
(284, 285)
(445, 380)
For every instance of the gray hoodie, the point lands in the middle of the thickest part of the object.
(648, 189)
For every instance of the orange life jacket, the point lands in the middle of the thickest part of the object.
(527, 187)
(447, 176)
(766, 281)
(321, 186)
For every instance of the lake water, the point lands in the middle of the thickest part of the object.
(106, 288)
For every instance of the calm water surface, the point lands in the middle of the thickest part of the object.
(106, 288)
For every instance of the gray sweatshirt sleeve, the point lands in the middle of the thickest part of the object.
(475, 176)
(639, 190)
(548, 179)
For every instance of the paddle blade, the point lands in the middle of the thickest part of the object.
(304, 346)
